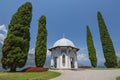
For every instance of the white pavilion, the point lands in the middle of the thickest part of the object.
(64, 55)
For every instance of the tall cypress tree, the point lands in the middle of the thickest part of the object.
(107, 44)
(40, 50)
(91, 48)
(16, 45)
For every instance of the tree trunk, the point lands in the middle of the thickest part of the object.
(13, 69)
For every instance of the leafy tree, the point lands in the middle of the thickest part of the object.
(16, 45)
(40, 50)
(107, 45)
(91, 48)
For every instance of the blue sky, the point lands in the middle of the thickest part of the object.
(69, 17)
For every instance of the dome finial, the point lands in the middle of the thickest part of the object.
(63, 35)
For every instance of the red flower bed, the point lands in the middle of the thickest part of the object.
(35, 69)
(84, 66)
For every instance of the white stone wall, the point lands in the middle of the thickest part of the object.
(68, 55)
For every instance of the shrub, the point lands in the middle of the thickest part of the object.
(119, 64)
(84, 66)
(118, 78)
(35, 69)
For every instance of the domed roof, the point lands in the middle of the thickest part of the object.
(64, 42)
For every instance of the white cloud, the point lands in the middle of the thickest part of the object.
(82, 57)
(32, 51)
(3, 28)
(2, 35)
(48, 53)
(118, 54)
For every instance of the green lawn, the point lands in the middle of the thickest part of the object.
(118, 78)
(103, 68)
(28, 75)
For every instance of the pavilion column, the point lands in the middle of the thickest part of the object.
(52, 62)
(69, 63)
(60, 61)
(76, 65)
(66, 62)
(57, 62)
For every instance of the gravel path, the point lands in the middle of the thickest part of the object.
(88, 74)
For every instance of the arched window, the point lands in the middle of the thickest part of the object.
(63, 60)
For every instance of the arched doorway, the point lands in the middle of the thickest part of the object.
(55, 62)
(63, 60)
(72, 62)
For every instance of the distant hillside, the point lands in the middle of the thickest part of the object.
(1, 69)
(118, 58)
(47, 63)
(0, 49)
(0, 46)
